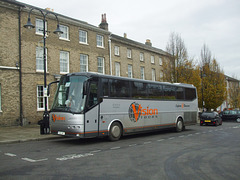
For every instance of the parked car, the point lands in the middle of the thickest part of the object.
(210, 118)
(230, 115)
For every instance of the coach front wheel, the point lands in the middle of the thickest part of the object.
(115, 131)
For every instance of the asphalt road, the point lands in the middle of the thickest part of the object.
(200, 152)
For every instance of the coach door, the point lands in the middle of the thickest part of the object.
(92, 110)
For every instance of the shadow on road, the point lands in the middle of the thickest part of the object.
(89, 141)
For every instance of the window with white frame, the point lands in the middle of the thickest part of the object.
(65, 34)
(39, 26)
(0, 98)
(39, 59)
(153, 75)
(129, 53)
(117, 68)
(64, 62)
(141, 57)
(100, 61)
(116, 50)
(142, 72)
(83, 37)
(40, 98)
(130, 73)
(152, 60)
(161, 75)
(83, 63)
(100, 41)
(160, 61)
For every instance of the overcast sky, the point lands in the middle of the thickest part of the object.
(213, 22)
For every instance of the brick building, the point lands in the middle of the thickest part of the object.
(82, 47)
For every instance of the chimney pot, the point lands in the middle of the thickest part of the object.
(148, 42)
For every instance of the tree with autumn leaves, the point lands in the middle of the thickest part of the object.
(214, 85)
(206, 76)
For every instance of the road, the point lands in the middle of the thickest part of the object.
(200, 152)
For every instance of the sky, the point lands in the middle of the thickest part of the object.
(215, 23)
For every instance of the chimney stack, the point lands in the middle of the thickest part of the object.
(148, 42)
(104, 24)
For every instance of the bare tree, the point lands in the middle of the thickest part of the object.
(206, 56)
(176, 47)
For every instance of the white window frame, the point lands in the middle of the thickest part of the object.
(65, 30)
(40, 95)
(100, 61)
(161, 75)
(116, 50)
(129, 53)
(83, 63)
(39, 26)
(130, 71)
(40, 59)
(100, 41)
(142, 71)
(64, 62)
(153, 75)
(83, 37)
(152, 59)
(117, 69)
(160, 61)
(141, 57)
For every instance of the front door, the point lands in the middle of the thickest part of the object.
(92, 111)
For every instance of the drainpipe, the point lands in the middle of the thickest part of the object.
(20, 66)
(110, 53)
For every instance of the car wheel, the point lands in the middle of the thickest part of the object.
(238, 120)
(115, 131)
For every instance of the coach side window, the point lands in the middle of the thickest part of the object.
(105, 88)
(190, 94)
(169, 92)
(155, 91)
(119, 88)
(139, 90)
(180, 93)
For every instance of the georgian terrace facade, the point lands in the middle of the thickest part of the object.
(82, 47)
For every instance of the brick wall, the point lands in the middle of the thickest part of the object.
(9, 75)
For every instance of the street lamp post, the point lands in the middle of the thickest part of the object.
(44, 125)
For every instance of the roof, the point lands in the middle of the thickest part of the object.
(13, 2)
(138, 44)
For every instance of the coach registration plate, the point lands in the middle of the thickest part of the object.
(61, 133)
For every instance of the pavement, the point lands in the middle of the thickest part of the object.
(14, 134)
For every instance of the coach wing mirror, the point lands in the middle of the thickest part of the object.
(49, 85)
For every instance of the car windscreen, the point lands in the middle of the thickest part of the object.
(206, 114)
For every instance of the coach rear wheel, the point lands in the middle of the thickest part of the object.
(115, 131)
(179, 126)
